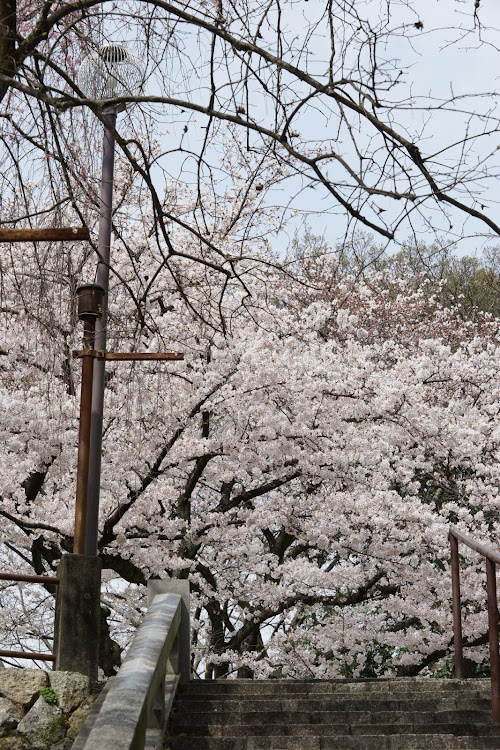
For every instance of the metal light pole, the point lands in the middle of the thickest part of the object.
(102, 278)
(109, 73)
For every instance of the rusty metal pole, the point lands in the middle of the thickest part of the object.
(457, 614)
(89, 309)
(491, 590)
(82, 472)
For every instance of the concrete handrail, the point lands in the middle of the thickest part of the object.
(135, 701)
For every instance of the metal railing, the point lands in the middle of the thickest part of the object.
(135, 707)
(45, 580)
(492, 560)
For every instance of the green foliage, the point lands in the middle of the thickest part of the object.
(470, 282)
(56, 730)
(356, 257)
(48, 695)
(446, 670)
(472, 669)
(481, 669)
(379, 661)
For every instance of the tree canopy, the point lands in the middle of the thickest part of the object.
(330, 420)
(301, 468)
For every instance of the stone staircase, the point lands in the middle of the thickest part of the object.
(398, 714)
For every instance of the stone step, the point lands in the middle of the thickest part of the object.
(292, 702)
(408, 714)
(314, 730)
(200, 698)
(477, 743)
(271, 709)
(358, 742)
(359, 695)
(195, 722)
(265, 687)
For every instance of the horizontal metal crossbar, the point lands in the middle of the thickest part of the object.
(487, 552)
(27, 655)
(49, 234)
(28, 579)
(127, 356)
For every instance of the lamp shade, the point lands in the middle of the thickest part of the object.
(111, 72)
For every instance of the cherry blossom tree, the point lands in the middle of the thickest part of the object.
(301, 467)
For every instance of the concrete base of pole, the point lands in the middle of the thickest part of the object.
(76, 638)
(180, 657)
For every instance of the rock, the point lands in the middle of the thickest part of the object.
(9, 716)
(62, 745)
(13, 743)
(22, 685)
(43, 725)
(71, 689)
(78, 717)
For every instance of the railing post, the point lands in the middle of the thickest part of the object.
(457, 614)
(491, 590)
(180, 657)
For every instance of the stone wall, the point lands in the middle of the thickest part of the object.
(42, 710)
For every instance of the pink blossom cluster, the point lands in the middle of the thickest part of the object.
(301, 466)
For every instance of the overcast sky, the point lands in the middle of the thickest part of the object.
(448, 56)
